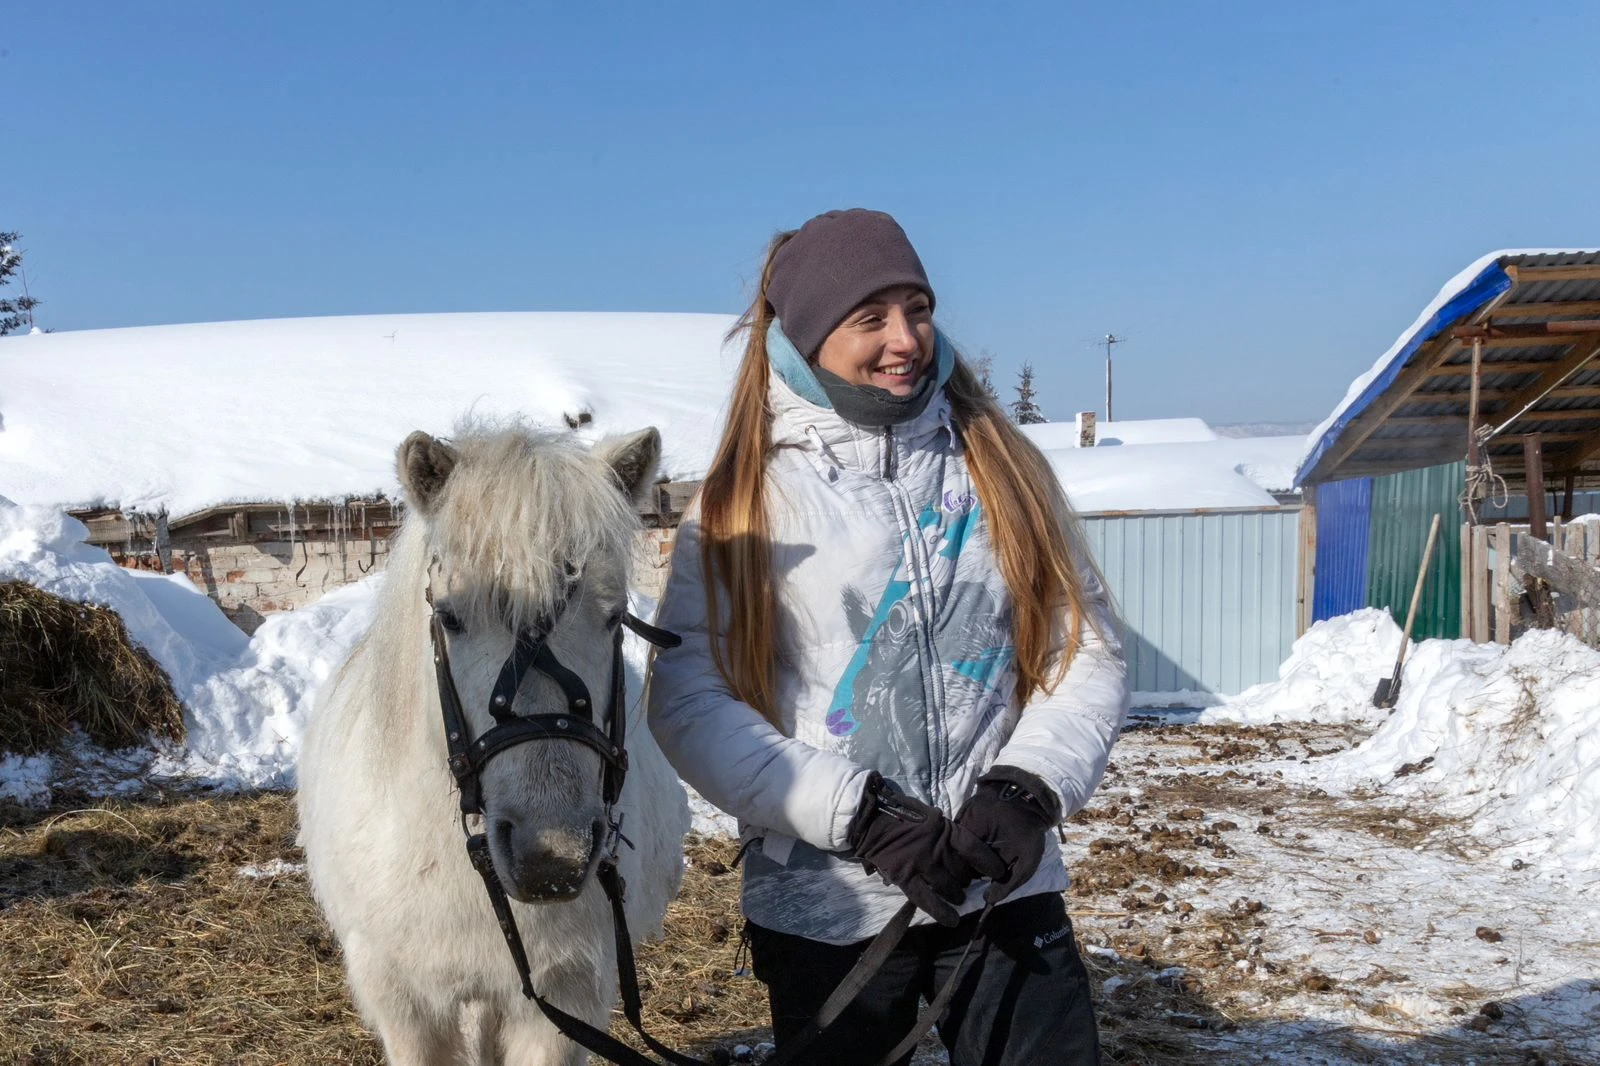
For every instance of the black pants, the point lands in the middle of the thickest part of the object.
(1023, 1002)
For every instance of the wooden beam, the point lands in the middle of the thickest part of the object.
(1547, 382)
(1528, 275)
(1586, 449)
(1534, 330)
(1563, 392)
(1537, 340)
(1544, 308)
(1540, 560)
(1505, 440)
(1535, 415)
(1465, 369)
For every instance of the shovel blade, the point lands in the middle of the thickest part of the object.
(1388, 692)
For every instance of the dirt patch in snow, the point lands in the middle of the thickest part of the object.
(1225, 915)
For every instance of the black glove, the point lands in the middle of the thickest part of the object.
(1011, 812)
(917, 849)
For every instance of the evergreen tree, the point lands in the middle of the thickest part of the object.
(1024, 412)
(14, 314)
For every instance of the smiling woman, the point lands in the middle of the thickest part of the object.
(898, 670)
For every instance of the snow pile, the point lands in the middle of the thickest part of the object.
(245, 699)
(246, 721)
(1329, 676)
(1508, 737)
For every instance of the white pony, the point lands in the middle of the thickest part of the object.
(506, 525)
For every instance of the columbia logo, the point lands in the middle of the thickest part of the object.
(1050, 938)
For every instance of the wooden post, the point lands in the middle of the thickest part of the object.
(1533, 468)
(1544, 611)
(1306, 598)
(1480, 584)
(1466, 580)
(1502, 584)
(1570, 482)
(1474, 451)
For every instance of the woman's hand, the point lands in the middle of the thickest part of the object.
(1011, 813)
(914, 847)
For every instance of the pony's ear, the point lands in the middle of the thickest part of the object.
(424, 464)
(633, 459)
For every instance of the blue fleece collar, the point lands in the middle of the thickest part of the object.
(791, 366)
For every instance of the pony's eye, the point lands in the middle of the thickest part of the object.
(448, 619)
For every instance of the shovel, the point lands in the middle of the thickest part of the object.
(1389, 688)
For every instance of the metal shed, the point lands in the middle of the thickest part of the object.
(1495, 388)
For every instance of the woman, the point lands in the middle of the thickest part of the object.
(898, 669)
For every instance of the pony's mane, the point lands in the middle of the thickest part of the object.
(520, 508)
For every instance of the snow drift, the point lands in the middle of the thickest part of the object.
(1505, 738)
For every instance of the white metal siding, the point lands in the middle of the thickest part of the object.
(1207, 600)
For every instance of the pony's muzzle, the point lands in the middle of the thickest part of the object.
(544, 864)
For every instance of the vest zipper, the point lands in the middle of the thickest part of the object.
(888, 453)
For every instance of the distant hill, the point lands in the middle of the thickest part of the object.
(1264, 429)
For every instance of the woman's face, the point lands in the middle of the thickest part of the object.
(887, 341)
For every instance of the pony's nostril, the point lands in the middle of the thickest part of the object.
(504, 834)
(541, 863)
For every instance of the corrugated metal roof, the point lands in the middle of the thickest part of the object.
(1411, 409)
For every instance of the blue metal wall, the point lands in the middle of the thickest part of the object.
(1344, 521)
(1207, 600)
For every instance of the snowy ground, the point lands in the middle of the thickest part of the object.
(1289, 875)
(1319, 927)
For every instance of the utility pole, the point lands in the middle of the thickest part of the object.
(1108, 342)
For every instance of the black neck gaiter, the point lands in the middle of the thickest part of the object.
(868, 405)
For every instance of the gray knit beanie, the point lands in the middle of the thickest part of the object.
(831, 265)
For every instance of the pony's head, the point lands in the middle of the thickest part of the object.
(530, 531)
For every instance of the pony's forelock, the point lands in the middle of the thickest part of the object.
(521, 508)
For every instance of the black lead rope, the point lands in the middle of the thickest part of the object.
(468, 757)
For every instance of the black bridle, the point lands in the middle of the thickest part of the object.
(468, 756)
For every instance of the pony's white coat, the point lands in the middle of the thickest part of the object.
(379, 819)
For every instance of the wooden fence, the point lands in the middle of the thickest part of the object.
(1500, 564)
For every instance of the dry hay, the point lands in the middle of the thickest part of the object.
(127, 935)
(695, 981)
(70, 665)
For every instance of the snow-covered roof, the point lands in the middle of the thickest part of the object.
(1191, 473)
(192, 416)
(1475, 288)
(1136, 431)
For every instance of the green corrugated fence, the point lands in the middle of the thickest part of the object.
(1403, 506)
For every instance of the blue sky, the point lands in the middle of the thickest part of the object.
(1259, 196)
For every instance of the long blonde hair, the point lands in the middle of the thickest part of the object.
(1035, 537)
